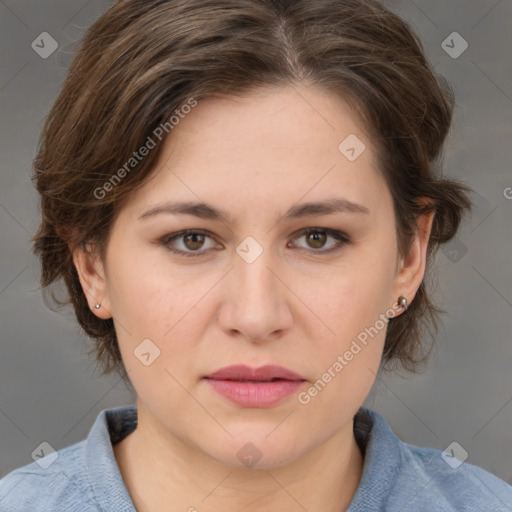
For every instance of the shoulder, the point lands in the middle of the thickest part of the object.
(439, 479)
(402, 477)
(57, 482)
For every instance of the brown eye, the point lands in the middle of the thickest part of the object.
(193, 241)
(316, 239)
(188, 242)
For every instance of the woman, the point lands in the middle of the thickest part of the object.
(242, 199)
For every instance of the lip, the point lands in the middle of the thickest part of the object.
(255, 387)
(244, 372)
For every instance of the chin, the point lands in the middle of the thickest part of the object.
(255, 454)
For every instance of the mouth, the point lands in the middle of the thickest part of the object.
(243, 373)
(259, 381)
(255, 387)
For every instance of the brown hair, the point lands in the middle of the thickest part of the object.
(141, 61)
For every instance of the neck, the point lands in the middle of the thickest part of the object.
(159, 470)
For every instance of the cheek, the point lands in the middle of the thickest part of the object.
(150, 304)
(347, 360)
(353, 306)
(355, 295)
(142, 298)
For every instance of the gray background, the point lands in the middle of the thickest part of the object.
(51, 391)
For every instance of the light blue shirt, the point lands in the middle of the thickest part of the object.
(84, 477)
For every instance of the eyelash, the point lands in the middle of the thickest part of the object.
(342, 238)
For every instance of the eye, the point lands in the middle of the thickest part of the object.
(316, 238)
(192, 240)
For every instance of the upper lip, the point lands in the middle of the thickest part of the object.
(244, 372)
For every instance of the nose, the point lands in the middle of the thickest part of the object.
(256, 303)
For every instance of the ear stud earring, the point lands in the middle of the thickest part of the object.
(402, 301)
(97, 305)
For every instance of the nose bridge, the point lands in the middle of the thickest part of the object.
(256, 308)
(252, 271)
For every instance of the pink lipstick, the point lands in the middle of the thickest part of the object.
(255, 387)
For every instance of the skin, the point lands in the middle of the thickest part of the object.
(254, 156)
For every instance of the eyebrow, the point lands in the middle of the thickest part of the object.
(206, 211)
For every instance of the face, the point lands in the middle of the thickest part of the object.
(270, 283)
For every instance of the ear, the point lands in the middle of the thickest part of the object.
(92, 277)
(411, 269)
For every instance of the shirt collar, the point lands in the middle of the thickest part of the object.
(382, 461)
(373, 434)
(110, 426)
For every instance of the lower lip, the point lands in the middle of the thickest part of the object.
(255, 394)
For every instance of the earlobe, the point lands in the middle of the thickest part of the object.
(91, 273)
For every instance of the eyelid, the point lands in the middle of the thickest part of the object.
(342, 237)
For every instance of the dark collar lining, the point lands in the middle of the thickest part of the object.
(363, 425)
(120, 424)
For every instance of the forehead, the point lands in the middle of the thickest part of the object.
(266, 150)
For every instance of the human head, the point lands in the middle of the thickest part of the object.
(143, 62)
